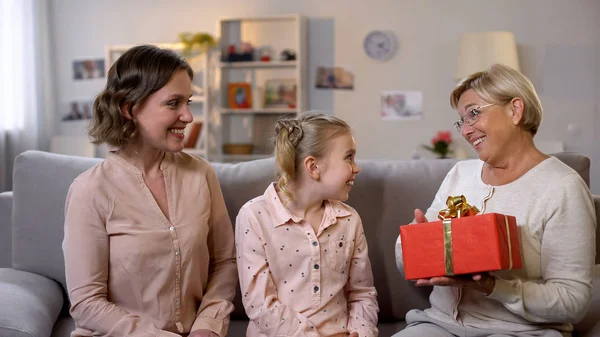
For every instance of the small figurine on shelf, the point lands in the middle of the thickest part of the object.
(231, 49)
(246, 53)
(265, 53)
(287, 55)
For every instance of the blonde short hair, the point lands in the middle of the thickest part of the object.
(500, 84)
(297, 138)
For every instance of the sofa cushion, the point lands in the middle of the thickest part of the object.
(30, 304)
(592, 318)
(240, 183)
(63, 327)
(6, 201)
(40, 185)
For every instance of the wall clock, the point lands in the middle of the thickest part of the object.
(380, 45)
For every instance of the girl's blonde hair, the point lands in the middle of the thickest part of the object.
(300, 137)
(137, 74)
(500, 84)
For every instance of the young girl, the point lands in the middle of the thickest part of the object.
(302, 255)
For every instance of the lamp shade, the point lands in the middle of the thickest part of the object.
(479, 51)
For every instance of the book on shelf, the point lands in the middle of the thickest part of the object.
(194, 134)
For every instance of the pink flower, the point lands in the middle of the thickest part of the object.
(444, 136)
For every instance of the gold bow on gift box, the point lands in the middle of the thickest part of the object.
(457, 207)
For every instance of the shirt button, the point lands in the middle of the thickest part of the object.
(316, 288)
(177, 253)
(171, 228)
(316, 266)
(315, 243)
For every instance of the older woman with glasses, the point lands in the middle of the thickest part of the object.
(499, 115)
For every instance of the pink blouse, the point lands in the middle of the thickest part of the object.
(133, 272)
(296, 282)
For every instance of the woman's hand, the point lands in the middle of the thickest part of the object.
(420, 216)
(202, 333)
(484, 283)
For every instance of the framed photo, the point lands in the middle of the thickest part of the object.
(401, 105)
(240, 96)
(78, 110)
(280, 93)
(334, 78)
(88, 69)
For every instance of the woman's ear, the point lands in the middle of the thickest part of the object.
(517, 107)
(127, 110)
(310, 165)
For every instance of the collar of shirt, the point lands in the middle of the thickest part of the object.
(281, 215)
(113, 156)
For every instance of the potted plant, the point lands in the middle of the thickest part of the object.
(201, 42)
(440, 144)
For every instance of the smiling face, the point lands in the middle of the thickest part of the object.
(491, 135)
(162, 117)
(338, 169)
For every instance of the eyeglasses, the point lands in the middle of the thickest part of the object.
(470, 117)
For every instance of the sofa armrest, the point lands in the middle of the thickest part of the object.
(586, 325)
(6, 201)
(29, 304)
(597, 205)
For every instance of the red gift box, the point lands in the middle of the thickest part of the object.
(464, 244)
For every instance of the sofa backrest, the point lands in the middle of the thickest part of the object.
(385, 194)
(41, 181)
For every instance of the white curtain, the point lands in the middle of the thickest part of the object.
(23, 79)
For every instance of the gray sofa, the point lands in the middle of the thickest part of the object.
(32, 284)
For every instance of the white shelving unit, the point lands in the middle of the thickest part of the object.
(202, 101)
(255, 124)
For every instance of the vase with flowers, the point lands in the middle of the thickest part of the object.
(440, 144)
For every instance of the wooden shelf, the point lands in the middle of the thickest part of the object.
(257, 65)
(247, 126)
(264, 111)
(245, 157)
(198, 99)
(195, 152)
(286, 17)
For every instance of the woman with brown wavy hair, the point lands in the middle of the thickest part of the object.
(148, 244)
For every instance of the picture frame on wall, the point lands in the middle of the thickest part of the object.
(280, 93)
(88, 69)
(240, 95)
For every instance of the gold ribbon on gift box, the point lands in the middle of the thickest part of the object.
(458, 207)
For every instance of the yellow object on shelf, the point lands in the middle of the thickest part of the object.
(237, 148)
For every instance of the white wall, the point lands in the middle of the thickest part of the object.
(559, 49)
